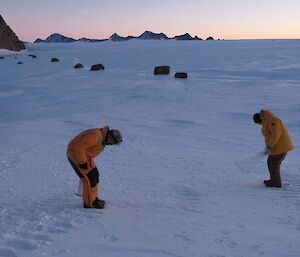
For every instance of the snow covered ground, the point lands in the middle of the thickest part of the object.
(186, 182)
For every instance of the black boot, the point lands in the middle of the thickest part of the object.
(271, 184)
(86, 205)
(98, 203)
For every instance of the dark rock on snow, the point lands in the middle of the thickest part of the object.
(78, 66)
(162, 70)
(97, 67)
(181, 75)
(19, 62)
(32, 56)
(54, 60)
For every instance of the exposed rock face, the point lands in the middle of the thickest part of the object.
(197, 38)
(162, 70)
(58, 38)
(97, 67)
(116, 37)
(91, 40)
(78, 66)
(186, 36)
(39, 41)
(8, 39)
(151, 35)
(181, 75)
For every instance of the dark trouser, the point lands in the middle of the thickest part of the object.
(274, 162)
(90, 180)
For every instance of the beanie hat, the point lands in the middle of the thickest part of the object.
(256, 118)
(116, 135)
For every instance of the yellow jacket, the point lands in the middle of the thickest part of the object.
(276, 134)
(87, 144)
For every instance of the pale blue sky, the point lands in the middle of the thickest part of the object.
(228, 19)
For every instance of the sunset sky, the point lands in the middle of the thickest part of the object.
(225, 19)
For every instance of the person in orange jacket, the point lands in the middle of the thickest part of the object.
(81, 152)
(278, 143)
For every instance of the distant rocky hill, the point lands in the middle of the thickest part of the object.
(8, 39)
(56, 38)
(84, 39)
(186, 36)
(147, 35)
(152, 35)
(116, 37)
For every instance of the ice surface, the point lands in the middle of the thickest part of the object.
(187, 180)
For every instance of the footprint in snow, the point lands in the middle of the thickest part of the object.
(32, 224)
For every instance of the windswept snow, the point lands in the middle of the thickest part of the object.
(187, 180)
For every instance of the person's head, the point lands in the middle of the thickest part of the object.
(257, 118)
(113, 137)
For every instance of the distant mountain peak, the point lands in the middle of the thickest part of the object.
(58, 38)
(8, 39)
(151, 35)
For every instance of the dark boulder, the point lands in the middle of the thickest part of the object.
(210, 38)
(162, 70)
(54, 60)
(78, 66)
(32, 56)
(97, 67)
(1, 57)
(19, 62)
(181, 75)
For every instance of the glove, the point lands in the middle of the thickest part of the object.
(267, 150)
(83, 166)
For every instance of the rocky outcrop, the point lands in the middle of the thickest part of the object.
(56, 38)
(151, 35)
(54, 60)
(8, 39)
(39, 41)
(186, 36)
(78, 66)
(97, 67)
(181, 75)
(162, 70)
(116, 37)
(90, 40)
(210, 38)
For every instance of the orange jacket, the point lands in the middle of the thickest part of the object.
(87, 144)
(276, 134)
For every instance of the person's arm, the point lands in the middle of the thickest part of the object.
(86, 142)
(276, 131)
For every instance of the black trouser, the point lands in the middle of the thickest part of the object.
(274, 162)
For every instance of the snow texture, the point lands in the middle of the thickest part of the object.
(186, 181)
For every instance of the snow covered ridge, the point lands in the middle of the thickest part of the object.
(58, 38)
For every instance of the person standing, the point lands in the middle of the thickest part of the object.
(81, 152)
(278, 144)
